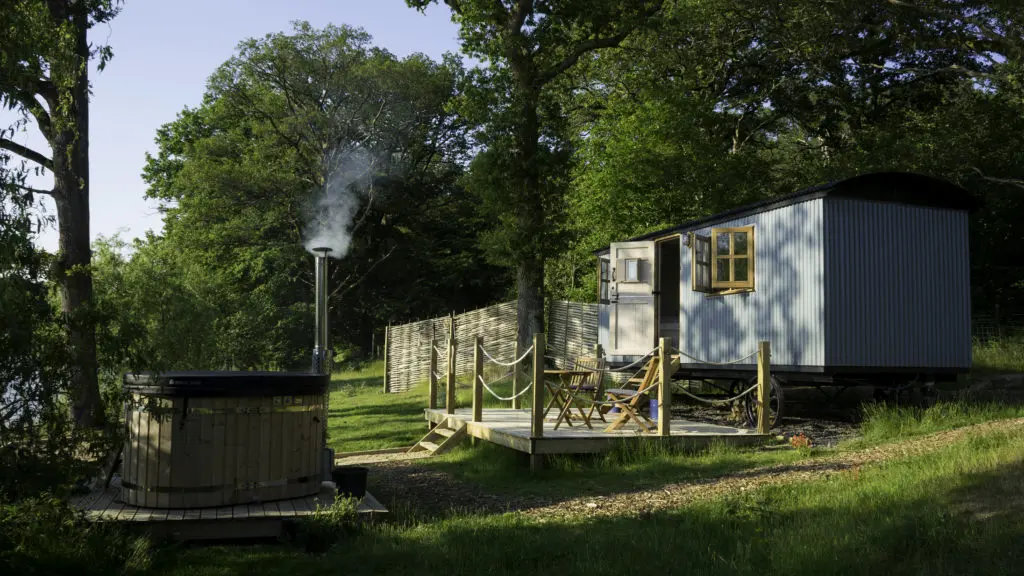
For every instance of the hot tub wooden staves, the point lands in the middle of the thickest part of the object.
(205, 439)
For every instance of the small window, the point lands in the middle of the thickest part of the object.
(604, 278)
(632, 270)
(732, 255)
(700, 248)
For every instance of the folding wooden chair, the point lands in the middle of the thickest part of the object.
(627, 400)
(574, 381)
(593, 387)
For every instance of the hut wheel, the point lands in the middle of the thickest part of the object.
(775, 403)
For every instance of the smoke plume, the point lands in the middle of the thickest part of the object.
(329, 222)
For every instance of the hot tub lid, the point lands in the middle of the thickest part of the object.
(226, 383)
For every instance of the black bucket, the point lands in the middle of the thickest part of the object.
(350, 480)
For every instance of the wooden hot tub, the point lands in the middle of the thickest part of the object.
(198, 439)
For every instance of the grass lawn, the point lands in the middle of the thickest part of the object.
(999, 355)
(363, 417)
(959, 510)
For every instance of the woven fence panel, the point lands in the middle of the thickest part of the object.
(408, 345)
(572, 331)
(408, 352)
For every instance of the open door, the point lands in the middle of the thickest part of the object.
(633, 318)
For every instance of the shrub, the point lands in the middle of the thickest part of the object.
(46, 536)
(327, 525)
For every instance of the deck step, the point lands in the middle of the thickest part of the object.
(440, 439)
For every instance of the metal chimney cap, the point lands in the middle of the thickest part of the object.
(323, 249)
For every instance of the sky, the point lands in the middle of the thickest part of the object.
(163, 53)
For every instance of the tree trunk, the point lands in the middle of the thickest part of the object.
(530, 221)
(71, 192)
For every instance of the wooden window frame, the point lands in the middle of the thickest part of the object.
(693, 240)
(733, 286)
(604, 277)
(625, 266)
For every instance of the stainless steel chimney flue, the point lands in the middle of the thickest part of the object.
(321, 354)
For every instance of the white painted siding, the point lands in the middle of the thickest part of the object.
(787, 306)
(898, 285)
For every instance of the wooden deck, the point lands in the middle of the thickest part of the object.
(511, 428)
(256, 520)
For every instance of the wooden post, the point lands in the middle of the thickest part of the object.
(387, 387)
(664, 389)
(764, 376)
(449, 393)
(517, 401)
(478, 374)
(537, 410)
(432, 393)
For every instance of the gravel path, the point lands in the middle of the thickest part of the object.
(410, 486)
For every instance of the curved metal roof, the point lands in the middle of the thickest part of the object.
(895, 187)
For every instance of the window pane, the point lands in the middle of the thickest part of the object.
(604, 291)
(723, 243)
(740, 269)
(632, 270)
(723, 270)
(739, 243)
(604, 270)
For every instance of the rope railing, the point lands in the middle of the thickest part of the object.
(500, 363)
(701, 361)
(438, 351)
(502, 398)
(719, 401)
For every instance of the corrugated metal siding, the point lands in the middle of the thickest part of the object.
(787, 306)
(898, 285)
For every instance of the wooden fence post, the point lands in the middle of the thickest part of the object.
(537, 410)
(664, 390)
(387, 384)
(764, 376)
(478, 374)
(432, 392)
(449, 393)
(517, 401)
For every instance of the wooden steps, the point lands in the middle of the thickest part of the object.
(441, 438)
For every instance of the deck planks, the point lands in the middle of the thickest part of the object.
(511, 428)
(106, 505)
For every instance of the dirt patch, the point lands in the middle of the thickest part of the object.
(407, 486)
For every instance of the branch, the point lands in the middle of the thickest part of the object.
(348, 286)
(35, 190)
(33, 107)
(571, 59)
(26, 153)
(1010, 181)
(594, 44)
(523, 9)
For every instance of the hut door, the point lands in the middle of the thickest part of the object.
(633, 318)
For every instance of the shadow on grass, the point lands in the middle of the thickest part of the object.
(894, 520)
(626, 468)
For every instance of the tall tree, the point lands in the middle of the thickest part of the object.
(44, 78)
(238, 174)
(529, 45)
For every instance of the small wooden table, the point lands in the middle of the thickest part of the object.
(564, 392)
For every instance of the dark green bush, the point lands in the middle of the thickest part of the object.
(44, 535)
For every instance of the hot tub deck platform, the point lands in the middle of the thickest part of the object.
(257, 520)
(511, 428)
